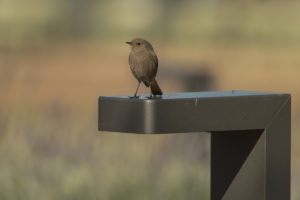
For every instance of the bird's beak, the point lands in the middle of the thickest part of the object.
(129, 43)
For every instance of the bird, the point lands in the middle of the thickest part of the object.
(144, 64)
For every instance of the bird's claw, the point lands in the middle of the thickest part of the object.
(134, 97)
(154, 97)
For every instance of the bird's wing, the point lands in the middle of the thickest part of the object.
(152, 63)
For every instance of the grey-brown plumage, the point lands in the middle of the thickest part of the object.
(143, 64)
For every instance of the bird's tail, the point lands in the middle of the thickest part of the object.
(155, 89)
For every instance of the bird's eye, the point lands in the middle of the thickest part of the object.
(138, 43)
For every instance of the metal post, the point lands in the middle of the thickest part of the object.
(250, 135)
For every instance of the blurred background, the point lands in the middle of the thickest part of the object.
(57, 57)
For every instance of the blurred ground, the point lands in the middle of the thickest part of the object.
(52, 72)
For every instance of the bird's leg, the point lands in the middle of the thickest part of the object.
(135, 96)
(137, 89)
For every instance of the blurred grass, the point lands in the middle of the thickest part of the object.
(53, 66)
(61, 156)
(35, 22)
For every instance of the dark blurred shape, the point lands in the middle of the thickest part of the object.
(198, 80)
(190, 77)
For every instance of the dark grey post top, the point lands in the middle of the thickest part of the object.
(189, 112)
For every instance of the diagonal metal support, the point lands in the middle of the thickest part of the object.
(250, 135)
(235, 157)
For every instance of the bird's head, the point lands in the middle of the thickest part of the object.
(139, 44)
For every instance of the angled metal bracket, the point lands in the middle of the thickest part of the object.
(250, 135)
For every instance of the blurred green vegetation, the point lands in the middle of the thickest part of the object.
(61, 156)
(38, 21)
(56, 57)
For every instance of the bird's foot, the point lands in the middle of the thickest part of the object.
(134, 97)
(150, 97)
(154, 97)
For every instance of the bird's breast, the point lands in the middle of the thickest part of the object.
(143, 65)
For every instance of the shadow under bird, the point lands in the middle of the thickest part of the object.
(144, 64)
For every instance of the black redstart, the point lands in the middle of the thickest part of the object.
(143, 64)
